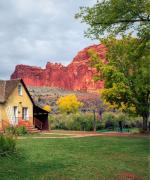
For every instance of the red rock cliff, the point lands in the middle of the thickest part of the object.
(78, 75)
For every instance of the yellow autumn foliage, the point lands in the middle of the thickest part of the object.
(69, 103)
(47, 108)
(121, 106)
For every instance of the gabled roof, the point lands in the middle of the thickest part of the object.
(7, 87)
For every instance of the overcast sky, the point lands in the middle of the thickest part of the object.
(33, 32)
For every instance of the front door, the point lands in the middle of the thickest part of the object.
(15, 115)
(25, 113)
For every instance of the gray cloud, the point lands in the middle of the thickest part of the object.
(36, 31)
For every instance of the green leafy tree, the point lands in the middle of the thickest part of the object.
(116, 16)
(126, 74)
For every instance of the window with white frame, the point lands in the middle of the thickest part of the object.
(19, 89)
(25, 113)
(15, 115)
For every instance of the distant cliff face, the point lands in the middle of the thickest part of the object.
(78, 75)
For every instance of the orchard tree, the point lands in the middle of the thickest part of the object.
(69, 104)
(126, 74)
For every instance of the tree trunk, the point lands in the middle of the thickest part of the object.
(145, 120)
(94, 121)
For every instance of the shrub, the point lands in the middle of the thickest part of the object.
(21, 130)
(78, 121)
(7, 145)
(84, 121)
(111, 120)
(12, 130)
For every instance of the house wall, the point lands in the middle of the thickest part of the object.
(16, 100)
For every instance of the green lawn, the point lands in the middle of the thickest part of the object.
(88, 158)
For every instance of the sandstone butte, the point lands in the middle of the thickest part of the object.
(78, 75)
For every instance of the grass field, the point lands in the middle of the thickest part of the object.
(88, 158)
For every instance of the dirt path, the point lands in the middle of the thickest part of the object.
(47, 135)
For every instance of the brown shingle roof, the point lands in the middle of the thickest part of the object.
(6, 88)
(2, 91)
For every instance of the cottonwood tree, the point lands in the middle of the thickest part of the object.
(69, 104)
(116, 17)
(126, 74)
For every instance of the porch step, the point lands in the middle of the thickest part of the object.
(32, 129)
